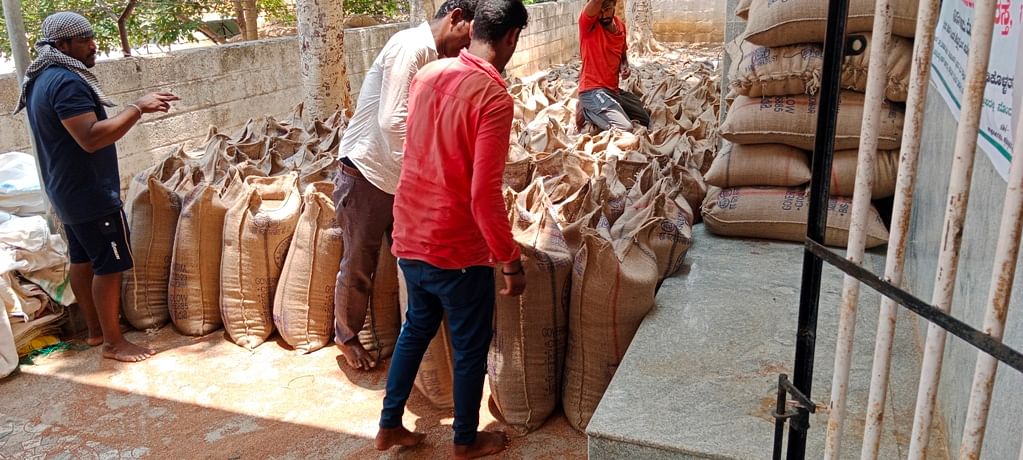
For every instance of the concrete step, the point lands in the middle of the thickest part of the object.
(699, 380)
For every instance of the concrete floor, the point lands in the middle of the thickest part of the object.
(208, 398)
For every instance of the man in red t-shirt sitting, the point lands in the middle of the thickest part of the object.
(603, 47)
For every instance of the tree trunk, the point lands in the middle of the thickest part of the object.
(239, 17)
(324, 70)
(641, 31)
(122, 26)
(417, 11)
(251, 15)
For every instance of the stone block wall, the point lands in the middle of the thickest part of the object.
(689, 20)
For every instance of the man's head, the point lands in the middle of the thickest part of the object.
(72, 34)
(454, 17)
(498, 24)
(607, 12)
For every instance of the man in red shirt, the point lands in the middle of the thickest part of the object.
(602, 46)
(450, 223)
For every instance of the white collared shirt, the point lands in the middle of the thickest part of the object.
(375, 137)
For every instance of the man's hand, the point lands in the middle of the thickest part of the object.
(626, 71)
(515, 283)
(156, 102)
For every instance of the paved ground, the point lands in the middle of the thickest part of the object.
(208, 398)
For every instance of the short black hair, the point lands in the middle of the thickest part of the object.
(468, 8)
(495, 18)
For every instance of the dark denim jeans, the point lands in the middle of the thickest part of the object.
(467, 297)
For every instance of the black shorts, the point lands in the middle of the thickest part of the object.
(104, 242)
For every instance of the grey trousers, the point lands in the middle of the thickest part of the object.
(605, 109)
(364, 214)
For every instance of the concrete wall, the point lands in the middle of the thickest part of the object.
(689, 20)
(979, 239)
(224, 86)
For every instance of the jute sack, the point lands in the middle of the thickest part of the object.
(796, 69)
(153, 209)
(659, 219)
(780, 23)
(435, 379)
(612, 291)
(304, 302)
(194, 286)
(742, 9)
(759, 164)
(383, 318)
(530, 331)
(781, 214)
(258, 228)
(843, 173)
(792, 120)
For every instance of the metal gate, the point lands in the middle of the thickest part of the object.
(988, 342)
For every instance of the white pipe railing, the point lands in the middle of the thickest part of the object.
(1002, 276)
(927, 19)
(955, 215)
(877, 79)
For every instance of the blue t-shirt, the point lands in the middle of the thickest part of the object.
(82, 186)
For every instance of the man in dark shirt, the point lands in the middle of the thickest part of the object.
(75, 145)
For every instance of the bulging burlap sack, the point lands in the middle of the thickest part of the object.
(759, 164)
(792, 120)
(796, 69)
(780, 23)
(530, 331)
(152, 211)
(383, 318)
(303, 306)
(194, 287)
(781, 214)
(258, 229)
(612, 291)
(843, 173)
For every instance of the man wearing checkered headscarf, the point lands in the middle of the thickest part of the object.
(62, 26)
(74, 140)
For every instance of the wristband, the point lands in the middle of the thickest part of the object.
(521, 270)
(137, 108)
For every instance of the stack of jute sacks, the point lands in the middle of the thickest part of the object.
(242, 235)
(760, 178)
(601, 219)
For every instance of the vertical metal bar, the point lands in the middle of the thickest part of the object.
(927, 19)
(1002, 275)
(824, 147)
(955, 215)
(779, 422)
(877, 78)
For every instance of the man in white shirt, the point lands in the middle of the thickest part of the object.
(370, 162)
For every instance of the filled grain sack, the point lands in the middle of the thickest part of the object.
(612, 291)
(781, 214)
(383, 317)
(303, 307)
(843, 173)
(528, 349)
(152, 210)
(779, 23)
(258, 228)
(759, 164)
(659, 218)
(435, 379)
(796, 69)
(194, 285)
(792, 120)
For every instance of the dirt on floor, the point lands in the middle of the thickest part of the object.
(208, 398)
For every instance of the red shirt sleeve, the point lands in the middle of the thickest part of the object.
(586, 23)
(491, 153)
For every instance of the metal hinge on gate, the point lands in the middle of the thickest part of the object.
(797, 412)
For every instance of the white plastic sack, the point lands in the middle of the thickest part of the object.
(20, 191)
(8, 351)
(28, 247)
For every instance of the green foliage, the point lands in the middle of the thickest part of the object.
(157, 22)
(389, 8)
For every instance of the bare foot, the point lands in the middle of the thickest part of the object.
(356, 355)
(94, 341)
(390, 437)
(127, 352)
(486, 443)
